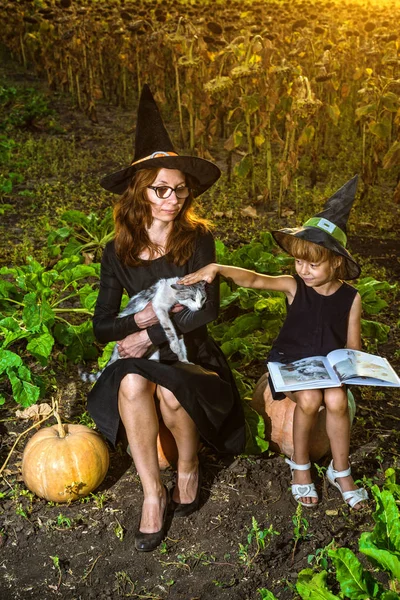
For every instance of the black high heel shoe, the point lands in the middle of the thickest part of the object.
(146, 542)
(184, 510)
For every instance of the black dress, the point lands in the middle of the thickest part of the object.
(314, 326)
(206, 389)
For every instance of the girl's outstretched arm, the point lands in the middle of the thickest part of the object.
(354, 325)
(244, 278)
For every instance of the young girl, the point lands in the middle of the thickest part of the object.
(323, 314)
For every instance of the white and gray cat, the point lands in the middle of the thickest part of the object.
(163, 295)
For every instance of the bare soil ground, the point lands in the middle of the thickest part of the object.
(206, 555)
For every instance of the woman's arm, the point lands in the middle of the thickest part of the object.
(244, 278)
(106, 324)
(354, 325)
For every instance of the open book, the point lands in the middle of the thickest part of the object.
(340, 366)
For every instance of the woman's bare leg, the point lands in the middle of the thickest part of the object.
(338, 430)
(305, 414)
(186, 437)
(138, 413)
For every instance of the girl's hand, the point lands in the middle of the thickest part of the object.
(146, 317)
(207, 273)
(134, 345)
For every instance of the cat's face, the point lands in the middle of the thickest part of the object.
(192, 296)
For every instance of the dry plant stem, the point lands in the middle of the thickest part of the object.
(91, 568)
(21, 435)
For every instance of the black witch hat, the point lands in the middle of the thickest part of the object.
(327, 228)
(154, 150)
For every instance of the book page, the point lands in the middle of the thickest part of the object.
(353, 364)
(307, 370)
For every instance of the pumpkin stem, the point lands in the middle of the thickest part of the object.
(61, 430)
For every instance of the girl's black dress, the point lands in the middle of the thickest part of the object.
(206, 389)
(314, 326)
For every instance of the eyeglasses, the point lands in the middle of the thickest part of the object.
(164, 191)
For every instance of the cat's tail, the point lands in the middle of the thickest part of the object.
(89, 377)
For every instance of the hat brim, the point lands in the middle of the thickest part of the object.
(284, 237)
(204, 172)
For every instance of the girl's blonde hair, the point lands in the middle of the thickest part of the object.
(314, 253)
(133, 217)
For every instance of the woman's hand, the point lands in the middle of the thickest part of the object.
(146, 318)
(207, 273)
(134, 345)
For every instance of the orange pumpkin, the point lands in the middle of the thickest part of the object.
(166, 447)
(64, 462)
(278, 417)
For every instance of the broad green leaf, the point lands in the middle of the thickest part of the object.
(375, 331)
(105, 357)
(243, 325)
(381, 129)
(36, 312)
(76, 217)
(221, 250)
(306, 136)
(312, 586)
(363, 111)
(255, 431)
(389, 596)
(7, 288)
(8, 360)
(355, 582)
(385, 558)
(386, 533)
(24, 392)
(78, 272)
(40, 347)
(67, 263)
(243, 168)
(390, 483)
(333, 112)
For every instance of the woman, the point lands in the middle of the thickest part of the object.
(158, 235)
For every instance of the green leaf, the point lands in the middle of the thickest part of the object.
(105, 357)
(355, 582)
(307, 135)
(363, 111)
(76, 217)
(375, 331)
(40, 347)
(386, 533)
(312, 586)
(36, 312)
(381, 129)
(387, 560)
(24, 392)
(243, 168)
(333, 112)
(255, 431)
(8, 360)
(7, 288)
(77, 273)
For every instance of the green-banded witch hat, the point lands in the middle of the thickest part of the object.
(154, 150)
(327, 228)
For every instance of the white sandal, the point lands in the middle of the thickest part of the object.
(305, 490)
(352, 497)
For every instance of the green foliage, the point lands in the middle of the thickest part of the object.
(80, 233)
(21, 107)
(255, 431)
(368, 288)
(34, 302)
(257, 539)
(381, 546)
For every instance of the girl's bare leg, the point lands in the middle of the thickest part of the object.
(186, 437)
(138, 413)
(305, 413)
(338, 430)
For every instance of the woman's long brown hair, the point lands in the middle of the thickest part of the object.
(132, 218)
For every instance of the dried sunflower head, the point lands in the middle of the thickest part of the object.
(219, 84)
